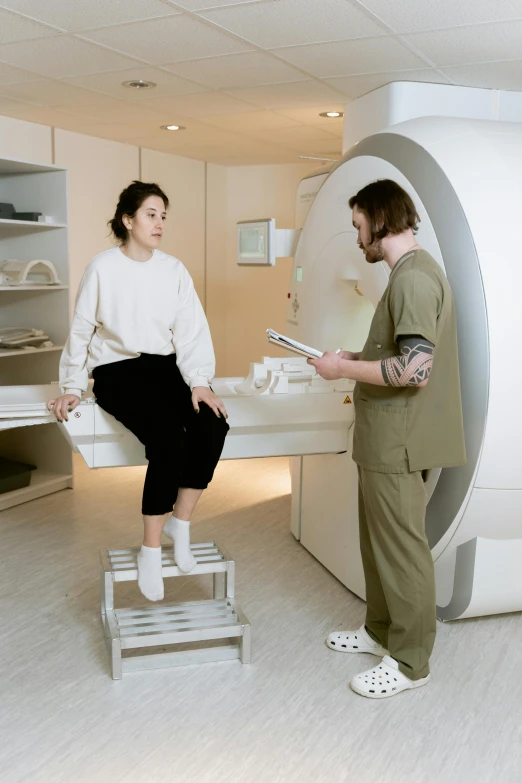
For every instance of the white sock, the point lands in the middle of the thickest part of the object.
(179, 531)
(150, 580)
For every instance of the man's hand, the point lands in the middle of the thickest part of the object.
(206, 395)
(352, 357)
(329, 365)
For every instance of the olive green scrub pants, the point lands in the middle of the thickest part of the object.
(398, 567)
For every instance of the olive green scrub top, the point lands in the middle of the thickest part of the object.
(410, 428)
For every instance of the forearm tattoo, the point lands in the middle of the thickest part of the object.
(413, 366)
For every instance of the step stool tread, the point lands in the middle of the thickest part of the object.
(123, 566)
(212, 621)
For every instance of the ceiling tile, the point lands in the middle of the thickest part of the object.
(44, 116)
(73, 15)
(49, 92)
(497, 76)
(16, 28)
(410, 15)
(291, 22)
(189, 142)
(310, 115)
(113, 111)
(352, 57)
(203, 5)
(254, 156)
(62, 56)
(464, 45)
(11, 75)
(254, 160)
(129, 131)
(253, 120)
(201, 105)
(292, 137)
(355, 86)
(167, 40)
(165, 143)
(325, 148)
(238, 70)
(121, 131)
(330, 146)
(8, 104)
(199, 135)
(108, 131)
(111, 83)
(282, 96)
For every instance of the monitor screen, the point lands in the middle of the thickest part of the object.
(255, 242)
(252, 242)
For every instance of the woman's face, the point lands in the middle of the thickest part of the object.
(146, 227)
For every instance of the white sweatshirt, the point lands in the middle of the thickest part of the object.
(125, 308)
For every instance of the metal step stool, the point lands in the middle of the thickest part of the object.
(160, 625)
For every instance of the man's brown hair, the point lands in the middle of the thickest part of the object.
(388, 207)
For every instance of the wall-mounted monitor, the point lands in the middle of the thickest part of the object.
(256, 243)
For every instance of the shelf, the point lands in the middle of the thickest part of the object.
(42, 483)
(23, 352)
(34, 287)
(10, 166)
(9, 228)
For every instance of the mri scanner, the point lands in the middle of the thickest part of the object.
(458, 152)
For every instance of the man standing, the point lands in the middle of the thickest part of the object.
(408, 419)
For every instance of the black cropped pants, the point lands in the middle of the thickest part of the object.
(149, 396)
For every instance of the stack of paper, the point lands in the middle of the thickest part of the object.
(292, 345)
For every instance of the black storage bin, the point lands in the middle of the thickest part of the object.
(14, 475)
(27, 216)
(6, 211)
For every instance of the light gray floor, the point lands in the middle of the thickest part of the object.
(289, 716)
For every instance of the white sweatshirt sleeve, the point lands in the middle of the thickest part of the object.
(74, 377)
(191, 337)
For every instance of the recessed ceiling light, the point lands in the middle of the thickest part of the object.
(139, 84)
(172, 127)
(331, 114)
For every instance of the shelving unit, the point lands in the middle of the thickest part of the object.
(40, 188)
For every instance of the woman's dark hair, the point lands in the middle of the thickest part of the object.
(388, 208)
(129, 202)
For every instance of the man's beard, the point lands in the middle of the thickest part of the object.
(374, 252)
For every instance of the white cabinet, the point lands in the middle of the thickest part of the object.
(32, 187)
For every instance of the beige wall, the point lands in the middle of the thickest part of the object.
(183, 181)
(25, 140)
(98, 170)
(216, 252)
(256, 298)
(207, 200)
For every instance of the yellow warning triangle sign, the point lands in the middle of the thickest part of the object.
(347, 400)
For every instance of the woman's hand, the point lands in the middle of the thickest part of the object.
(206, 395)
(63, 405)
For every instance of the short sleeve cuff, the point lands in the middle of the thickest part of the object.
(403, 330)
